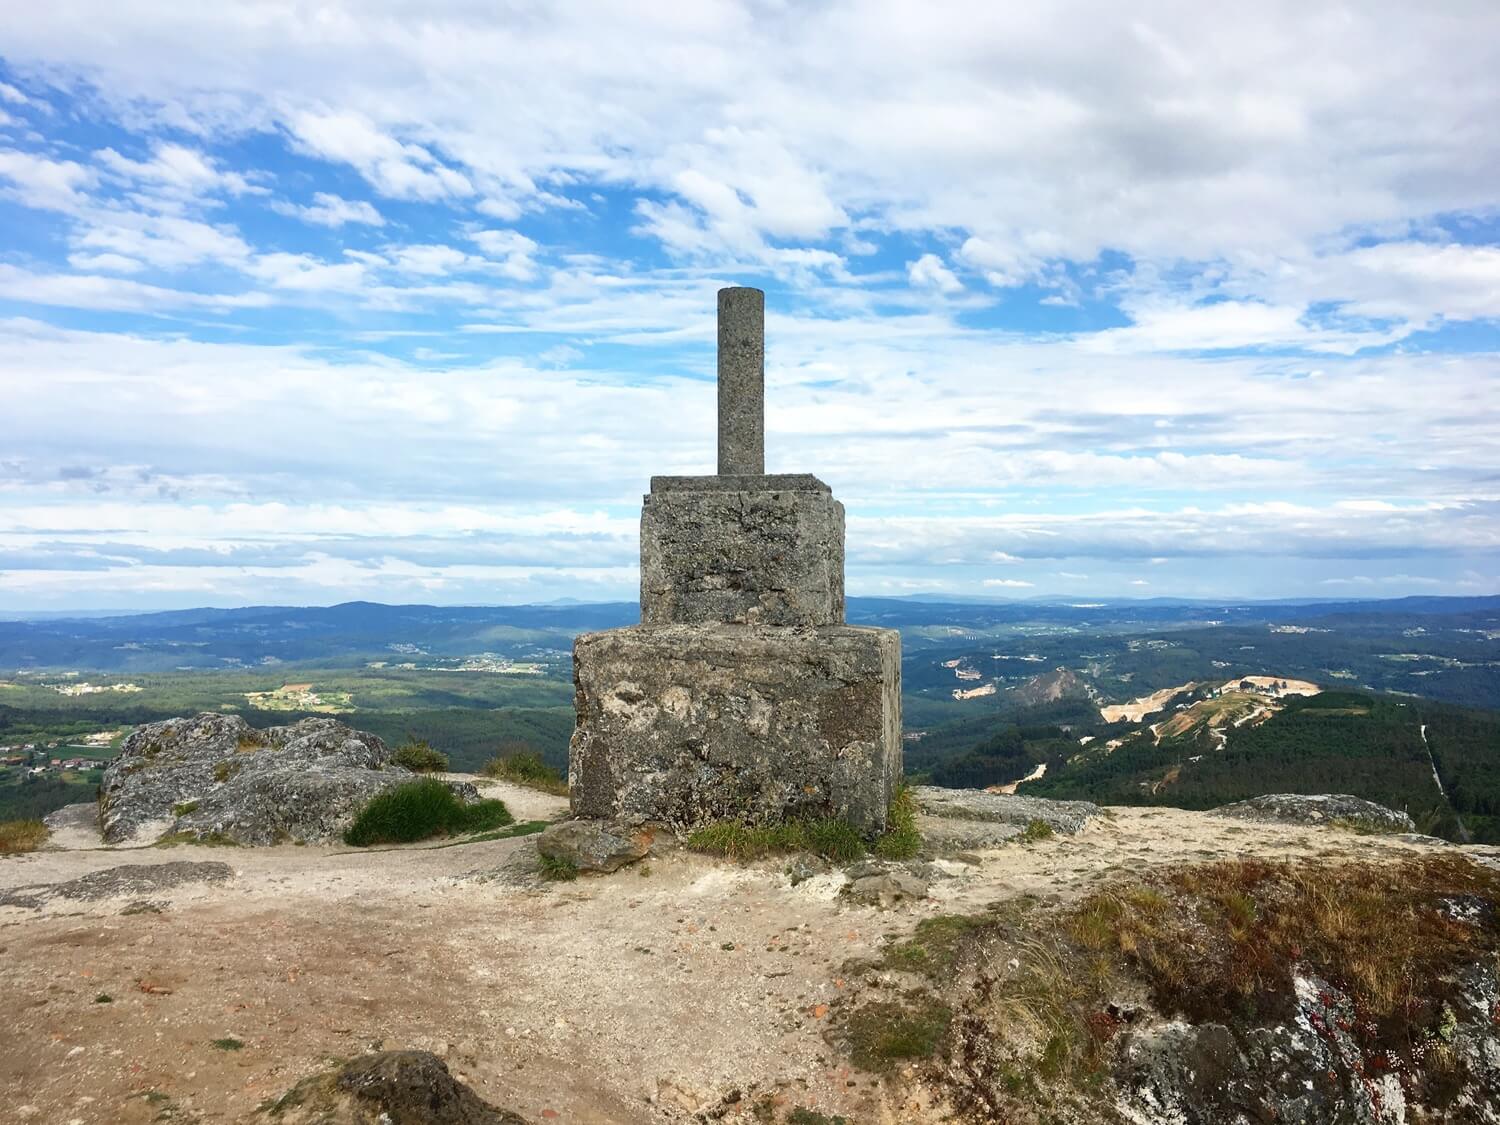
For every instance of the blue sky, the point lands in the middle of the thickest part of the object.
(407, 302)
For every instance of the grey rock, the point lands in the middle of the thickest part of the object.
(127, 881)
(947, 836)
(1301, 808)
(83, 816)
(214, 775)
(592, 845)
(763, 556)
(742, 381)
(889, 888)
(687, 725)
(1002, 808)
(387, 1088)
(804, 867)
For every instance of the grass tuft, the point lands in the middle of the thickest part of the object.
(1036, 830)
(419, 810)
(18, 836)
(557, 869)
(419, 757)
(887, 1032)
(228, 1043)
(901, 839)
(526, 767)
(831, 838)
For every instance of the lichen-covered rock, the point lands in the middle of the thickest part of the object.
(1310, 1068)
(1325, 808)
(685, 725)
(592, 845)
(1003, 808)
(215, 776)
(387, 1088)
(765, 551)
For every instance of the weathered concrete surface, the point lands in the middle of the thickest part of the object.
(766, 557)
(685, 725)
(742, 381)
(765, 482)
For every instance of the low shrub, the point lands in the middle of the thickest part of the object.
(419, 810)
(526, 767)
(419, 757)
(17, 836)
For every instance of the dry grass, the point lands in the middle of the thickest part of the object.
(526, 767)
(1037, 997)
(18, 836)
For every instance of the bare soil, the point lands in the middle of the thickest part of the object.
(680, 985)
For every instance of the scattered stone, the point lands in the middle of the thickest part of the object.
(1003, 808)
(592, 845)
(1326, 808)
(214, 778)
(128, 881)
(888, 889)
(803, 867)
(387, 1088)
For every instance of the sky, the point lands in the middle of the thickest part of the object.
(407, 301)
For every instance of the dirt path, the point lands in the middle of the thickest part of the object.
(634, 998)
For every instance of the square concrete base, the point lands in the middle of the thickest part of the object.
(685, 725)
(742, 550)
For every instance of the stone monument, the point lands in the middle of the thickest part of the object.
(742, 695)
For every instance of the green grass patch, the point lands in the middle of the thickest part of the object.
(525, 828)
(228, 1043)
(419, 757)
(885, 1033)
(934, 945)
(202, 839)
(556, 869)
(184, 807)
(1036, 831)
(104, 998)
(901, 839)
(526, 767)
(829, 837)
(18, 836)
(419, 810)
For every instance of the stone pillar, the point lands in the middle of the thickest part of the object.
(742, 382)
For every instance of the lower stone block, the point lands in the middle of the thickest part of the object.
(685, 725)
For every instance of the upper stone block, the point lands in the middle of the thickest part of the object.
(742, 550)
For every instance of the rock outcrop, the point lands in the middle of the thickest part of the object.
(214, 776)
(1324, 808)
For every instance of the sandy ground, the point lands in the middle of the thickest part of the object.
(1138, 709)
(632, 998)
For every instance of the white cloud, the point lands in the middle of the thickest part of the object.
(1009, 583)
(401, 171)
(928, 272)
(329, 210)
(53, 185)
